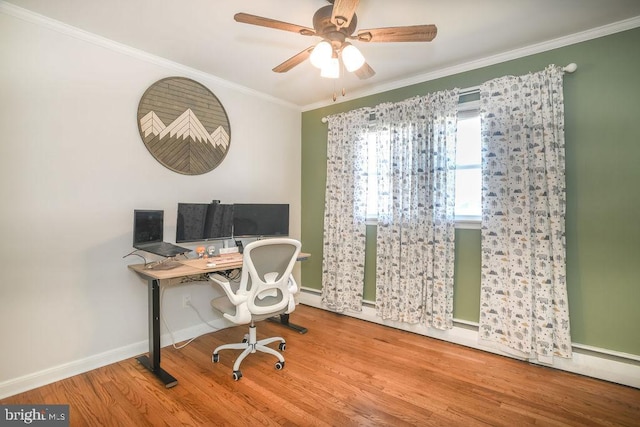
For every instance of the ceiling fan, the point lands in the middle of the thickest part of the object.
(336, 25)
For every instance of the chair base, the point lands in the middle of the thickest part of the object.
(249, 345)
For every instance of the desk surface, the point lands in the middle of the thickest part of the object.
(192, 267)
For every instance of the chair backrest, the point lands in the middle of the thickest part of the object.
(266, 269)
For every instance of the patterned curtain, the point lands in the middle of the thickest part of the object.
(345, 212)
(416, 200)
(524, 306)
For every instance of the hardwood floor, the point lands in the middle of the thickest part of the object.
(343, 372)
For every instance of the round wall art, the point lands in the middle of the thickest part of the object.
(184, 126)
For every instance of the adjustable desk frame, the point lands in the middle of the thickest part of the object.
(153, 277)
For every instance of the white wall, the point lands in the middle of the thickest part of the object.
(72, 170)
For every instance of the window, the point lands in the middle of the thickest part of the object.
(372, 175)
(468, 210)
(468, 167)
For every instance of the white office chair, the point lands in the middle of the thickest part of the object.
(265, 289)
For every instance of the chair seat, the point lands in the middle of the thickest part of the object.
(224, 305)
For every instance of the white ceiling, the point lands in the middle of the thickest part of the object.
(202, 34)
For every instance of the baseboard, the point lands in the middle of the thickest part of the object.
(589, 361)
(50, 375)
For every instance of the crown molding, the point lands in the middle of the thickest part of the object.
(77, 33)
(583, 36)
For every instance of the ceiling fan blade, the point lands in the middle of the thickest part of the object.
(294, 60)
(343, 11)
(412, 33)
(245, 18)
(365, 72)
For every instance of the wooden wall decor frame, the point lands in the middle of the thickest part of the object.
(184, 126)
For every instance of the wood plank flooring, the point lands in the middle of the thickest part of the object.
(343, 372)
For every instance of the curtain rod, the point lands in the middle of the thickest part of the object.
(569, 68)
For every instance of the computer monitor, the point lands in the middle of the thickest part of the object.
(204, 221)
(190, 222)
(260, 220)
(218, 223)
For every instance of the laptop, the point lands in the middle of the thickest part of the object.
(148, 234)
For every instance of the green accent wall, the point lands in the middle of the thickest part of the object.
(466, 287)
(602, 133)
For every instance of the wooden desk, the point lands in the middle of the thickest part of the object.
(186, 268)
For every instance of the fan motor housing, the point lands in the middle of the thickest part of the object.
(327, 29)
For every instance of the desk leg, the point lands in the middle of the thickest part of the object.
(284, 320)
(152, 362)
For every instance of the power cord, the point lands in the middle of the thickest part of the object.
(135, 252)
(166, 325)
(164, 321)
(202, 318)
(230, 274)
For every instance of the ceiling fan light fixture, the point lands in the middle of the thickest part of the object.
(321, 54)
(335, 24)
(352, 57)
(331, 69)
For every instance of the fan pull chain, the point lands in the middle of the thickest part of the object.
(344, 91)
(342, 73)
(335, 96)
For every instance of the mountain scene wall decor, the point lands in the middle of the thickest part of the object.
(184, 126)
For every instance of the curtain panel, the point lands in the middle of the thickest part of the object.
(345, 212)
(524, 309)
(415, 145)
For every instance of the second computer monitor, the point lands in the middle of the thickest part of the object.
(204, 221)
(260, 220)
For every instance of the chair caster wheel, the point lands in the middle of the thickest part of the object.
(237, 375)
(215, 358)
(279, 365)
(282, 346)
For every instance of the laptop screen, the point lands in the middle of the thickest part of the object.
(148, 226)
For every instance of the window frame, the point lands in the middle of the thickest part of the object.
(473, 222)
(371, 219)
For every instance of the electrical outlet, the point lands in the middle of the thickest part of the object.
(186, 300)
